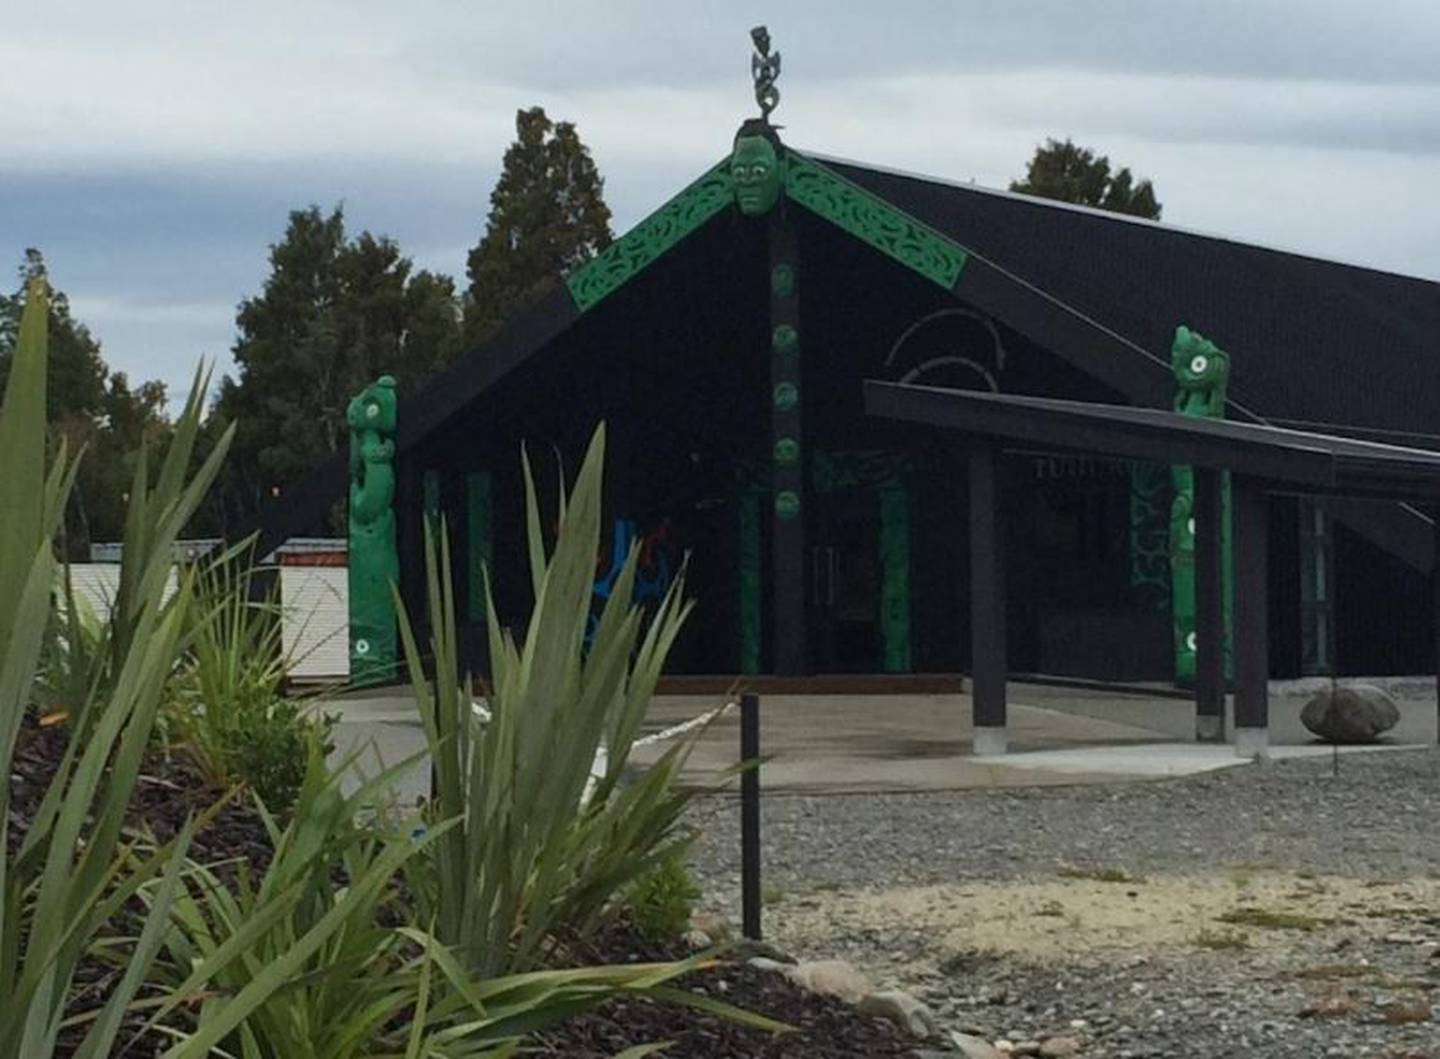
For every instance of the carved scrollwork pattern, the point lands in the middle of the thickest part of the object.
(874, 221)
(652, 237)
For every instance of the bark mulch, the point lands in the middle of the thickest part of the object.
(822, 1027)
(173, 790)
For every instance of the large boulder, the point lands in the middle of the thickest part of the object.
(1353, 713)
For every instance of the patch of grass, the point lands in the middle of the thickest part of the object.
(1406, 1012)
(1332, 971)
(1241, 875)
(1269, 919)
(772, 895)
(1221, 940)
(1109, 875)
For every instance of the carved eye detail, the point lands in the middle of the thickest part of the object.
(371, 411)
(1199, 363)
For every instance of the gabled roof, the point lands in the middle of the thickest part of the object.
(1310, 341)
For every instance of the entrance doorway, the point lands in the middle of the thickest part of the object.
(859, 564)
(845, 579)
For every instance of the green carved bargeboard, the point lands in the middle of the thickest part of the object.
(652, 237)
(874, 221)
(374, 566)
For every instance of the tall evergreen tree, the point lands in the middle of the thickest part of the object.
(334, 313)
(92, 409)
(1069, 173)
(547, 215)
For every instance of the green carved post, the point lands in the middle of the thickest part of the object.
(757, 170)
(1202, 373)
(374, 566)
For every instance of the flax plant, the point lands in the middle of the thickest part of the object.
(532, 856)
(70, 872)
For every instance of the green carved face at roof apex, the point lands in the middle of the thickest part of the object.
(758, 174)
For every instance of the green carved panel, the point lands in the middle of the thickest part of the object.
(480, 539)
(874, 221)
(895, 579)
(640, 247)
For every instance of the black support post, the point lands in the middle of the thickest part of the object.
(750, 818)
(1209, 607)
(988, 658)
(787, 539)
(1252, 647)
(1435, 579)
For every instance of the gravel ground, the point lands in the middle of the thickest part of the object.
(1279, 909)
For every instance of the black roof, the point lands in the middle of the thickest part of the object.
(1293, 460)
(1311, 342)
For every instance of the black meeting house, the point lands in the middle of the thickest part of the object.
(726, 341)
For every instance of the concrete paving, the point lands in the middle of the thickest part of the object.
(850, 743)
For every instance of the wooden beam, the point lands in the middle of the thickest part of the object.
(988, 654)
(1252, 646)
(1209, 607)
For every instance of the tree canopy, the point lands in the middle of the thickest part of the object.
(547, 215)
(334, 313)
(1070, 173)
(90, 406)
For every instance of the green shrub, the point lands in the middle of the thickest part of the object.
(227, 708)
(661, 900)
(533, 854)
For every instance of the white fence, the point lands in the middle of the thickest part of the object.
(316, 602)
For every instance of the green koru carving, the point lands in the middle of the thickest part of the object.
(1202, 373)
(786, 396)
(374, 565)
(874, 221)
(787, 452)
(784, 341)
(782, 281)
(652, 237)
(787, 504)
(757, 168)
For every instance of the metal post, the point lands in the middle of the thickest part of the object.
(750, 817)
(988, 661)
(1252, 621)
(1209, 607)
(1435, 577)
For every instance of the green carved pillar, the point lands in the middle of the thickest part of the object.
(1202, 374)
(757, 169)
(374, 566)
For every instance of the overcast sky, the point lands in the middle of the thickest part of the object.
(153, 149)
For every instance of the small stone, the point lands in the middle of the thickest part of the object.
(764, 963)
(837, 978)
(975, 1047)
(713, 924)
(1059, 1048)
(903, 1010)
(1026, 1048)
(697, 940)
